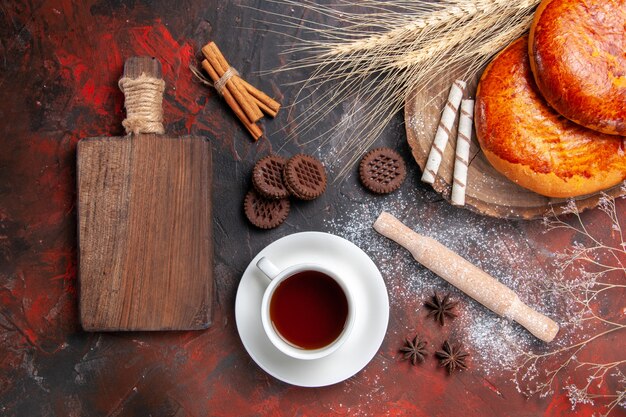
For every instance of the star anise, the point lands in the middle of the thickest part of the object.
(441, 307)
(452, 357)
(414, 350)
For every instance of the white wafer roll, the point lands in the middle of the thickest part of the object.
(461, 161)
(448, 117)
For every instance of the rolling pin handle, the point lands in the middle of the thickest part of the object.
(539, 325)
(470, 279)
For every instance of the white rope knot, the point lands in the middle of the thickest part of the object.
(143, 102)
(221, 83)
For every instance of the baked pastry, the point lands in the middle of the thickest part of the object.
(577, 55)
(530, 143)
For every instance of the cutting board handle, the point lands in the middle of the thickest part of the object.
(143, 86)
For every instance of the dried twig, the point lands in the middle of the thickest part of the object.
(595, 264)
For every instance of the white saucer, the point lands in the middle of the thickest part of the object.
(370, 295)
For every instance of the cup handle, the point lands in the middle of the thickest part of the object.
(268, 268)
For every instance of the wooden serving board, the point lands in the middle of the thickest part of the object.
(488, 191)
(144, 227)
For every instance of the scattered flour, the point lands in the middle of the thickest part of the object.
(497, 246)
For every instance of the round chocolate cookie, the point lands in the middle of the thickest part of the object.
(263, 212)
(382, 170)
(267, 177)
(305, 177)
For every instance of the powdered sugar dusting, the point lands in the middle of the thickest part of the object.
(498, 247)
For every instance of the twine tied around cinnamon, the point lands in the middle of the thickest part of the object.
(220, 84)
(143, 103)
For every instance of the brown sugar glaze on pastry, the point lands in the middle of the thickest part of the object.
(578, 57)
(530, 143)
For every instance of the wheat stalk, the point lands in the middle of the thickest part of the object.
(439, 18)
(374, 59)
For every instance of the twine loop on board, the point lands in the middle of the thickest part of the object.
(144, 104)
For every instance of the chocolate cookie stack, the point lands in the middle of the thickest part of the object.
(274, 180)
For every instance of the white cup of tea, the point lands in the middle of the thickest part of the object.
(307, 310)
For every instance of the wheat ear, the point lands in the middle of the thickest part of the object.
(374, 59)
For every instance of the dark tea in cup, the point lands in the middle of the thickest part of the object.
(309, 310)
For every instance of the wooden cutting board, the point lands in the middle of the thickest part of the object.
(144, 228)
(488, 191)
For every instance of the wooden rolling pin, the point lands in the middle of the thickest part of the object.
(467, 277)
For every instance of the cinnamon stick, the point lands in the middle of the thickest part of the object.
(234, 85)
(267, 104)
(252, 128)
(262, 100)
(264, 108)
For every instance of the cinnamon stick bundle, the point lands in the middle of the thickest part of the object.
(247, 102)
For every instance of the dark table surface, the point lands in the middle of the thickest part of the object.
(58, 83)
